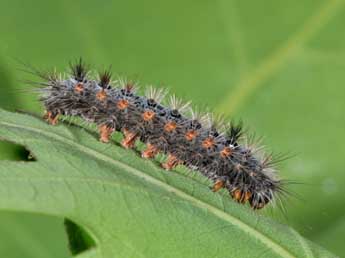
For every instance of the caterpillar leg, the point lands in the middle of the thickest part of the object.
(129, 140)
(171, 163)
(51, 118)
(105, 133)
(241, 196)
(219, 184)
(150, 151)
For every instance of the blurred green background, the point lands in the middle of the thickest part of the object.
(278, 65)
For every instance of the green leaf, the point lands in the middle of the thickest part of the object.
(129, 206)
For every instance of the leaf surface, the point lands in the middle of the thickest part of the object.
(128, 206)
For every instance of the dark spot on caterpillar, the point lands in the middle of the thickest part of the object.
(174, 113)
(151, 103)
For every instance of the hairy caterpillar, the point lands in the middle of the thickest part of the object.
(197, 141)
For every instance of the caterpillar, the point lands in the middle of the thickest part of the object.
(200, 142)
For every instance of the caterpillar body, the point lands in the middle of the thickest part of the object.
(202, 143)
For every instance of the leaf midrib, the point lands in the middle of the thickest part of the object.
(270, 243)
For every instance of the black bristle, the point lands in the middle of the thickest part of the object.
(105, 78)
(273, 159)
(79, 70)
(234, 132)
(48, 75)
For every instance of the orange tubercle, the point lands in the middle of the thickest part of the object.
(79, 87)
(150, 151)
(190, 135)
(122, 104)
(226, 152)
(101, 95)
(129, 140)
(170, 126)
(148, 115)
(105, 133)
(171, 163)
(208, 143)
